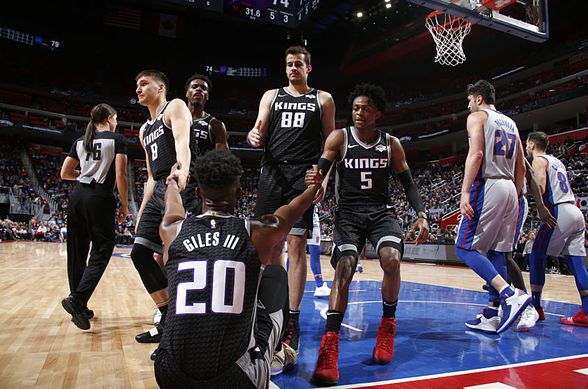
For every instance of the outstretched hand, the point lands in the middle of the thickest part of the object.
(181, 176)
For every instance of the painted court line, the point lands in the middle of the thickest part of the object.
(455, 373)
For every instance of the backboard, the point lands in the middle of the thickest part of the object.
(528, 19)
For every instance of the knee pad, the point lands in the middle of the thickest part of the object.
(149, 271)
(273, 288)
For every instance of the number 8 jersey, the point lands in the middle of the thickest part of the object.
(158, 140)
(213, 271)
(557, 185)
(500, 151)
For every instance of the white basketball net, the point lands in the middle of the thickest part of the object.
(448, 31)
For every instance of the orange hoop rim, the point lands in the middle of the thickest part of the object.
(439, 12)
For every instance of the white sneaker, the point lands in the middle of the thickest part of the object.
(528, 318)
(283, 359)
(323, 291)
(481, 323)
(512, 307)
(156, 316)
(359, 268)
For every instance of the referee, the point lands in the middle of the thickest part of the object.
(102, 156)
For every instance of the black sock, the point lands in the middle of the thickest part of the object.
(390, 308)
(163, 311)
(334, 319)
(294, 315)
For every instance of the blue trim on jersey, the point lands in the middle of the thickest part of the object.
(544, 234)
(519, 220)
(548, 195)
(467, 229)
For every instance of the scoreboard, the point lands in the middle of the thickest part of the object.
(287, 13)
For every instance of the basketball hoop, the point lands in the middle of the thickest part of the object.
(448, 31)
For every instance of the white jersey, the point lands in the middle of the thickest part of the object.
(557, 185)
(501, 136)
(316, 229)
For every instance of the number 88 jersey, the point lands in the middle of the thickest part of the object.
(557, 185)
(500, 151)
(213, 273)
(295, 131)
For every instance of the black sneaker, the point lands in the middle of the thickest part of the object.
(151, 336)
(154, 354)
(292, 334)
(78, 314)
(89, 313)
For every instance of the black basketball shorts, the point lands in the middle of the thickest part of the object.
(353, 225)
(278, 185)
(148, 230)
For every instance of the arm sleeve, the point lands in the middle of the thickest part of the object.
(412, 193)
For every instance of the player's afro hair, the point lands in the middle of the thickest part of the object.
(218, 169)
(374, 93)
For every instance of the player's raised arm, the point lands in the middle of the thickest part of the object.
(179, 118)
(173, 215)
(272, 229)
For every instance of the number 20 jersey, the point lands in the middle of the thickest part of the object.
(295, 131)
(213, 271)
(500, 146)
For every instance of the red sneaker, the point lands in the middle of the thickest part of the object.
(384, 349)
(579, 319)
(541, 313)
(326, 371)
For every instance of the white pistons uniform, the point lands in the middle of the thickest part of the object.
(493, 195)
(568, 236)
(315, 239)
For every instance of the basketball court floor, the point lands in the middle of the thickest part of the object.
(41, 348)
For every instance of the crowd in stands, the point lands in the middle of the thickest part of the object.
(439, 185)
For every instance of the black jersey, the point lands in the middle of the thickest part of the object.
(295, 129)
(213, 271)
(201, 140)
(363, 171)
(159, 142)
(99, 165)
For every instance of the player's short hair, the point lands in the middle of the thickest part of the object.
(483, 88)
(298, 50)
(218, 169)
(540, 139)
(197, 76)
(375, 94)
(156, 74)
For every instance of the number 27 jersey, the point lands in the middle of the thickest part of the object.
(213, 271)
(501, 136)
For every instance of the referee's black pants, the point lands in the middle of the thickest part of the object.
(90, 218)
